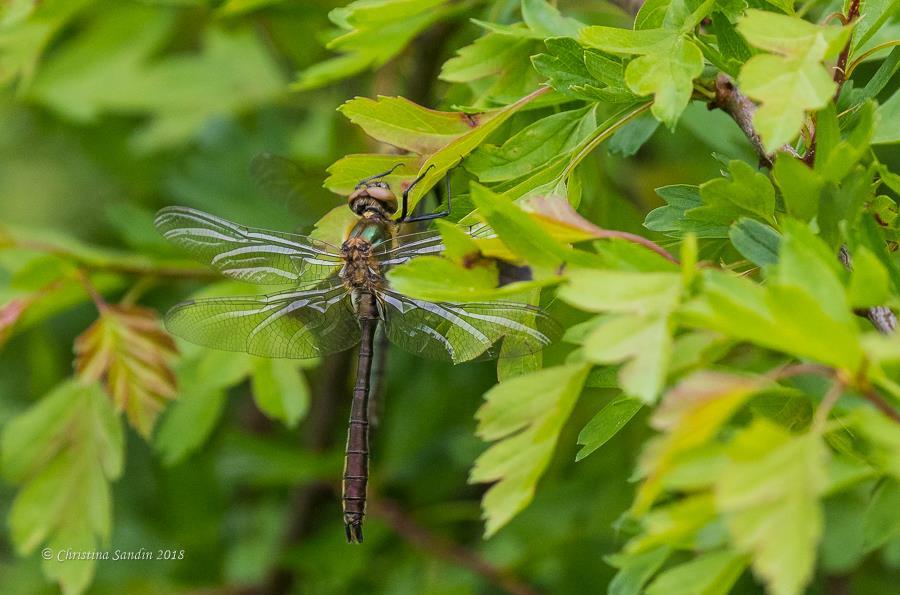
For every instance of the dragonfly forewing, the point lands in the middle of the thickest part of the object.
(247, 254)
(290, 324)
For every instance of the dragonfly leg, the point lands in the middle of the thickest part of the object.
(376, 176)
(406, 192)
(438, 215)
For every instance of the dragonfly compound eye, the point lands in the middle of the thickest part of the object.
(383, 195)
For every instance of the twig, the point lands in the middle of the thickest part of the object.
(831, 397)
(871, 395)
(741, 109)
(418, 536)
(840, 72)
(125, 268)
(839, 76)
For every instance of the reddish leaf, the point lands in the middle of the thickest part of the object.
(128, 348)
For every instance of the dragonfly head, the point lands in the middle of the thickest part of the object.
(373, 196)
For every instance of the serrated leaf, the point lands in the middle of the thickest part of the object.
(128, 349)
(747, 192)
(800, 186)
(526, 415)
(546, 20)
(673, 219)
(666, 67)
(793, 81)
(533, 146)
(769, 495)
(64, 451)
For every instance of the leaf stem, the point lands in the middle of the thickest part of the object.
(861, 58)
(601, 134)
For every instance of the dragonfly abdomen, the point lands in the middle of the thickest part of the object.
(356, 461)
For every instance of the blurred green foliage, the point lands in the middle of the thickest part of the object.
(705, 465)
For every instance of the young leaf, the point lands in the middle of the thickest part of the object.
(690, 415)
(792, 79)
(666, 67)
(64, 451)
(635, 570)
(769, 495)
(545, 19)
(127, 348)
(869, 282)
(526, 415)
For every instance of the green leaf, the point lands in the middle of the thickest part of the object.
(888, 114)
(673, 219)
(869, 282)
(690, 415)
(769, 495)
(756, 241)
(533, 146)
(747, 192)
(526, 415)
(520, 233)
(786, 318)
(441, 162)
(202, 381)
(619, 291)
(881, 522)
(406, 125)
(712, 573)
(606, 424)
(792, 82)
(64, 451)
(280, 389)
(546, 20)
(635, 570)
(666, 67)
(800, 186)
(346, 172)
(632, 136)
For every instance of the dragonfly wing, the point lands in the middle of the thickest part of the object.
(281, 178)
(292, 324)
(461, 332)
(421, 243)
(248, 254)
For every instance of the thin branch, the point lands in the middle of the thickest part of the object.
(640, 240)
(872, 395)
(831, 397)
(840, 69)
(127, 266)
(741, 109)
(440, 547)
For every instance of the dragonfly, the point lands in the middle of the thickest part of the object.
(336, 298)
